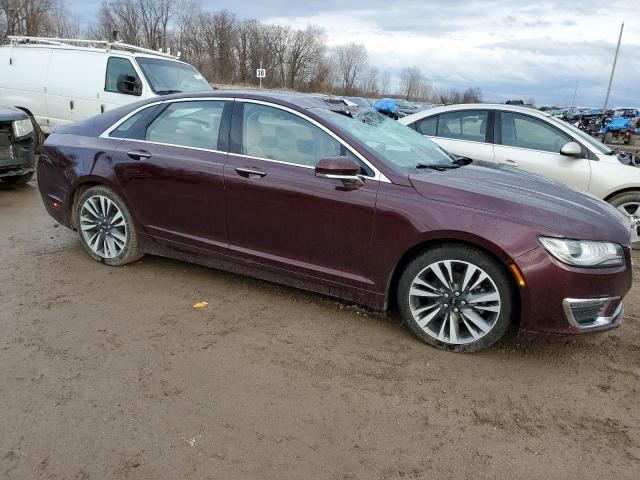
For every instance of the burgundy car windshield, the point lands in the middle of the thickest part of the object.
(396, 145)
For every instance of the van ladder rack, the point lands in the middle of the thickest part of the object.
(23, 40)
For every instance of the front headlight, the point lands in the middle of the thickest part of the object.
(584, 253)
(22, 128)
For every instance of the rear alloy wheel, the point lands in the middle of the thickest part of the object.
(106, 228)
(456, 298)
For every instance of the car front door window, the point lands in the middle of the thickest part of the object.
(275, 134)
(523, 131)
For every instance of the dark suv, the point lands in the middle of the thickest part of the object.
(16, 146)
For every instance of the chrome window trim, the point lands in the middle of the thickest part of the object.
(108, 131)
(377, 174)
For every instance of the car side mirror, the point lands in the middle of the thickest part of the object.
(128, 85)
(340, 168)
(571, 149)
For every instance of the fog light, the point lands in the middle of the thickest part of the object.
(592, 312)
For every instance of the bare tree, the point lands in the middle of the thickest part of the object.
(351, 60)
(154, 16)
(305, 50)
(27, 17)
(370, 81)
(413, 84)
(385, 83)
(472, 95)
(121, 16)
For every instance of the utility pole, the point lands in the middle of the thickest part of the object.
(613, 69)
(573, 102)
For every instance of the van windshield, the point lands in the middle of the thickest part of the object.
(167, 76)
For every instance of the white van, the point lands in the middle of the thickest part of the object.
(58, 81)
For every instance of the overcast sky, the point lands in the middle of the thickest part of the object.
(510, 49)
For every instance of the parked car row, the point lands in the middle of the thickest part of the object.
(330, 195)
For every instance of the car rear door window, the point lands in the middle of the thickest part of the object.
(466, 125)
(117, 66)
(427, 126)
(275, 134)
(193, 124)
(523, 131)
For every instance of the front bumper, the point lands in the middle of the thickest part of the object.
(17, 157)
(559, 300)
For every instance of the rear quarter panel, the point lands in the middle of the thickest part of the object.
(67, 162)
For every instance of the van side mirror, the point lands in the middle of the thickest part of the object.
(340, 168)
(571, 149)
(129, 85)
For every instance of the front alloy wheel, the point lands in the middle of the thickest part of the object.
(454, 302)
(456, 298)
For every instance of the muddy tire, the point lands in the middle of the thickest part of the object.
(105, 227)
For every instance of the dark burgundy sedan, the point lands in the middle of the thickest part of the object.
(306, 191)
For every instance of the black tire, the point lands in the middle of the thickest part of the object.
(478, 258)
(18, 179)
(627, 197)
(131, 251)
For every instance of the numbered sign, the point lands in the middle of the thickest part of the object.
(261, 73)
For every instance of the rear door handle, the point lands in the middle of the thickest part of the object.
(250, 173)
(138, 154)
(508, 161)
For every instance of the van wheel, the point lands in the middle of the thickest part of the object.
(106, 228)
(456, 297)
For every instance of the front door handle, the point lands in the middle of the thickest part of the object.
(508, 161)
(138, 154)
(250, 173)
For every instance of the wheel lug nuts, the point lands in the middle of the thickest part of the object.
(457, 294)
(463, 302)
(446, 305)
(446, 295)
(455, 310)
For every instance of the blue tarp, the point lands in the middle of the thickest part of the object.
(617, 123)
(386, 106)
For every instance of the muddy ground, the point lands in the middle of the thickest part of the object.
(111, 373)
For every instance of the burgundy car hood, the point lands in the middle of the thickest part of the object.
(559, 210)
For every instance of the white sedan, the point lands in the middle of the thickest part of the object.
(534, 141)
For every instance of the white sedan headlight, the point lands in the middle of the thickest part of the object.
(22, 128)
(584, 253)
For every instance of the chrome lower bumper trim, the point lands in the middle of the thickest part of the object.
(597, 322)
